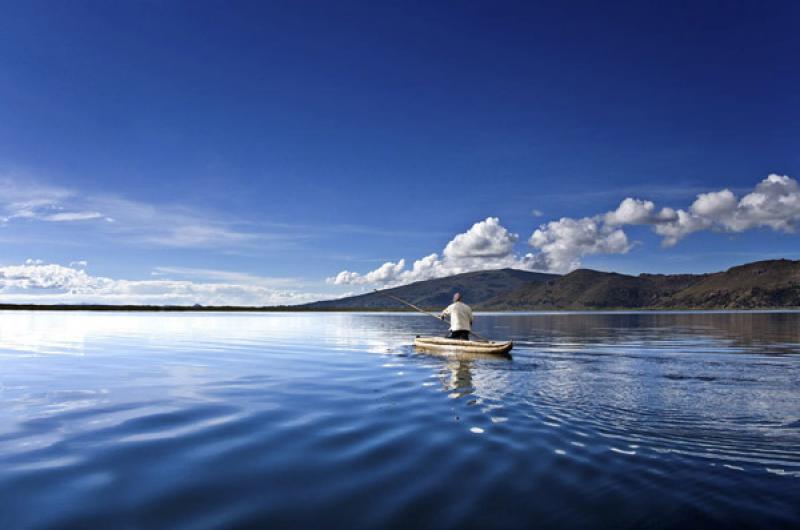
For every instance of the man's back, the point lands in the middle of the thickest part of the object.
(460, 316)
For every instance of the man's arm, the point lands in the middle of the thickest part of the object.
(445, 312)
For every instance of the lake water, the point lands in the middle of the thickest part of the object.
(208, 420)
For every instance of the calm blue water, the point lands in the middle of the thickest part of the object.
(125, 420)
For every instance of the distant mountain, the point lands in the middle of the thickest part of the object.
(762, 284)
(476, 287)
(774, 283)
(590, 289)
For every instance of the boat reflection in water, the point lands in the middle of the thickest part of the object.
(456, 374)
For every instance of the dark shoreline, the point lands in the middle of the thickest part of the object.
(304, 309)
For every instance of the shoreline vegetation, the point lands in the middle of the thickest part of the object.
(764, 285)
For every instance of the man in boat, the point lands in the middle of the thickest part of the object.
(460, 318)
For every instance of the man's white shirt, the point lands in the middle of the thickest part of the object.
(460, 316)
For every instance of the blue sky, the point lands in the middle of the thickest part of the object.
(245, 152)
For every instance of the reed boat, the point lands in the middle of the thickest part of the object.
(443, 345)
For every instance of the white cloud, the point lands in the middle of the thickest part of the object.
(20, 198)
(34, 275)
(170, 225)
(217, 275)
(486, 245)
(715, 204)
(774, 203)
(189, 235)
(426, 268)
(630, 212)
(23, 199)
(34, 282)
(72, 216)
(562, 243)
(679, 226)
(387, 274)
(486, 239)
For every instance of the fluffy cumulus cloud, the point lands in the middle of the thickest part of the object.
(562, 243)
(774, 203)
(486, 239)
(37, 282)
(630, 212)
(560, 246)
(486, 245)
(386, 273)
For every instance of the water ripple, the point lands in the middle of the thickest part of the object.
(248, 420)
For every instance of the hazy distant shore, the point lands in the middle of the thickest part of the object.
(149, 308)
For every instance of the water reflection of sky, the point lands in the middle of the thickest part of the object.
(612, 396)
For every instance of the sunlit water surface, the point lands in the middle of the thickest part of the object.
(126, 420)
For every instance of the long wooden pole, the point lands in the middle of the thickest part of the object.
(409, 304)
